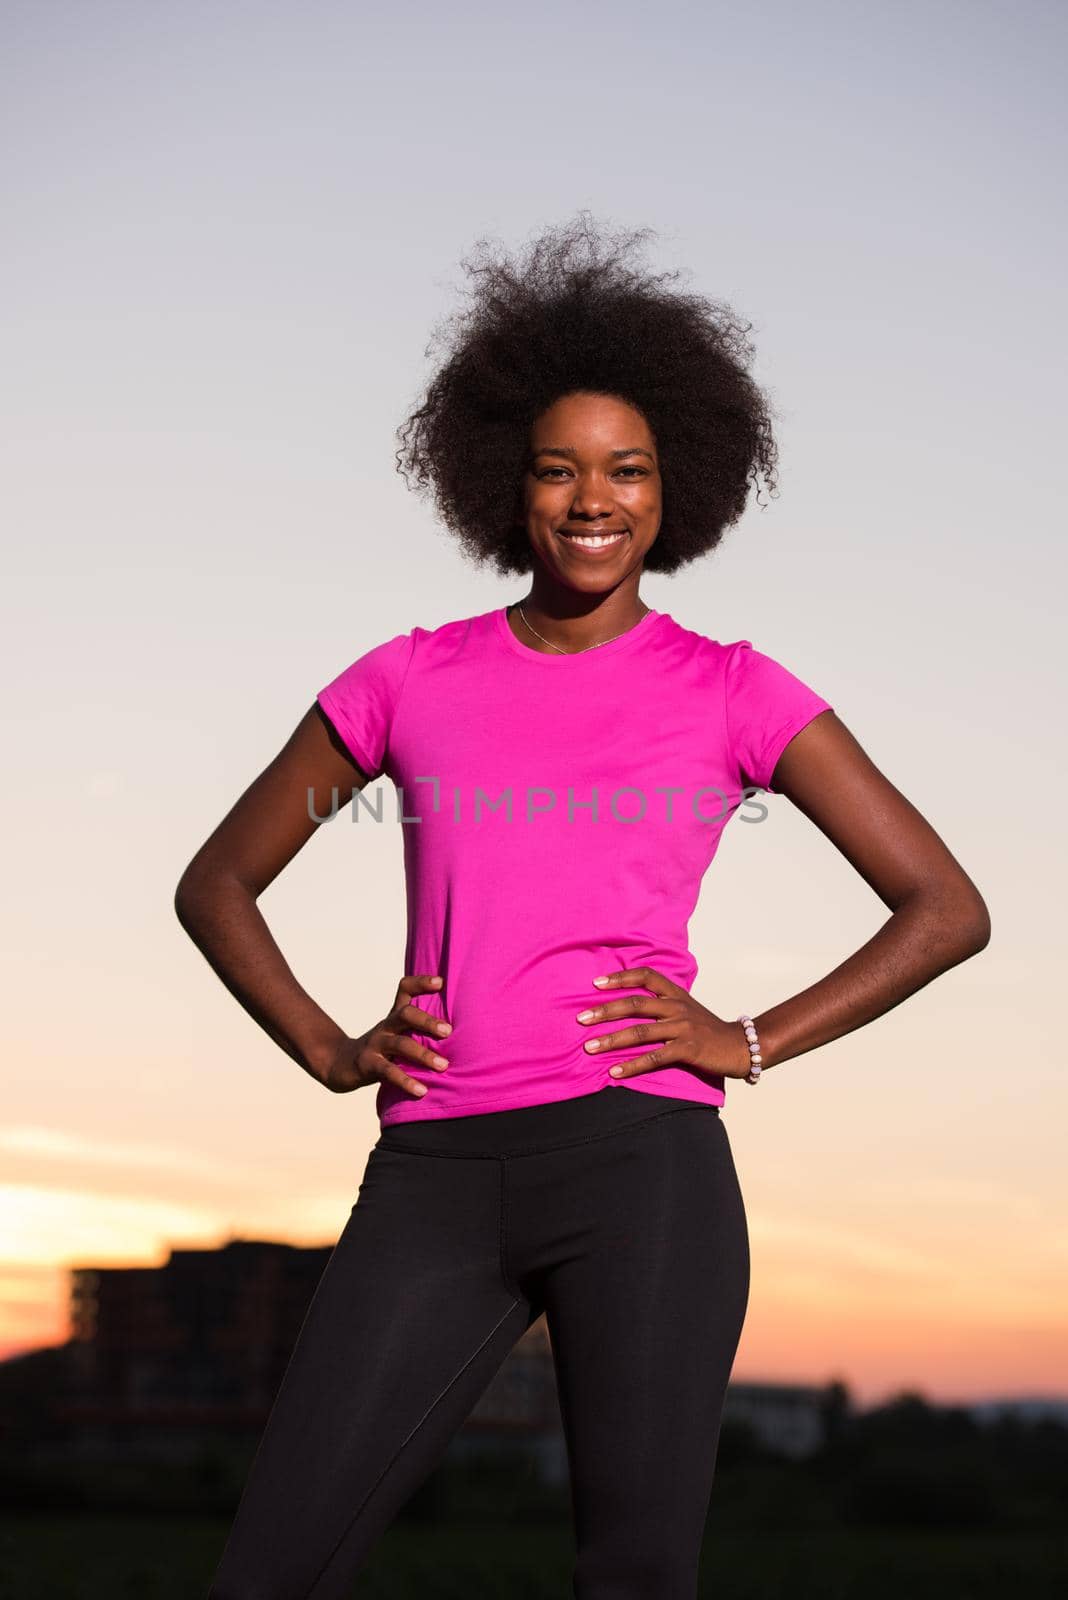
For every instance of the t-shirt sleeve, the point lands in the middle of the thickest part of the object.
(362, 699)
(766, 706)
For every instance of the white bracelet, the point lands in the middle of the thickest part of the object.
(753, 1075)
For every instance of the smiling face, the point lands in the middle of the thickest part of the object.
(592, 492)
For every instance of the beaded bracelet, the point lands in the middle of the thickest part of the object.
(753, 1075)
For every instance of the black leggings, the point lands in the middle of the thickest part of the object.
(618, 1214)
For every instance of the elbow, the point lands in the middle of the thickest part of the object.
(203, 883)
(965, 924)
(979, 927)
(183, 897)
(953, 921)
(189, 893)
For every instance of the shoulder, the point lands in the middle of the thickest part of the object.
(708, 650)
(673, 634)
(766, 704)
(397, 653)
(756, 675)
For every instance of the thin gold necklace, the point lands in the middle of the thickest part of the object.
(585, 647)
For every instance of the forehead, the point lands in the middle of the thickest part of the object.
(581, 422)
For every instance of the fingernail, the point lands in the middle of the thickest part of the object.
(593, 1044)
(436, 980)
(600, 980)
(585, 1016)
(439, 1061)
(617, 1072)
(421, 1089)
(444, 1027)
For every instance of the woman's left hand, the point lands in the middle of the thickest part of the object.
(684, 1031)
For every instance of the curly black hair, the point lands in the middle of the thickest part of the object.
(575, 315)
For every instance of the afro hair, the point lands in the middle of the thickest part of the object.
(576, 314)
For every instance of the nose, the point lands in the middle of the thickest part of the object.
(592, 497)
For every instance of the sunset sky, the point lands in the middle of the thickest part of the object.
(231, 231)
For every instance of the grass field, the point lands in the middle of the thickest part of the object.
(71, 1557)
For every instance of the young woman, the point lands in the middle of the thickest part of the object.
(548, 1085)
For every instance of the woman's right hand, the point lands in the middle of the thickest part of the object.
(367, 1059)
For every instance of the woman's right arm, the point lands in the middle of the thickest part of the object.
(215, 900)
(216, 897)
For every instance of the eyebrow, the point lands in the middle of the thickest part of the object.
(569, 450)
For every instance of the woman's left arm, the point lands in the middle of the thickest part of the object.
(938, 920)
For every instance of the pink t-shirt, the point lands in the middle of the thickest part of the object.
(558, 814)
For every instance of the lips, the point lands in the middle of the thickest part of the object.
(603, 539)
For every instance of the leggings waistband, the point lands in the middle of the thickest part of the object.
(530, 1129)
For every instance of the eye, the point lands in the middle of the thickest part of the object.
(547, 472)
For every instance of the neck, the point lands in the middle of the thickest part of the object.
(576, 621)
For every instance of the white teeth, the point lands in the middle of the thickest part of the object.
(595, 541)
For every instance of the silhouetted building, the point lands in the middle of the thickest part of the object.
(787, 1418)
(210, 1328)
(165, 1359)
